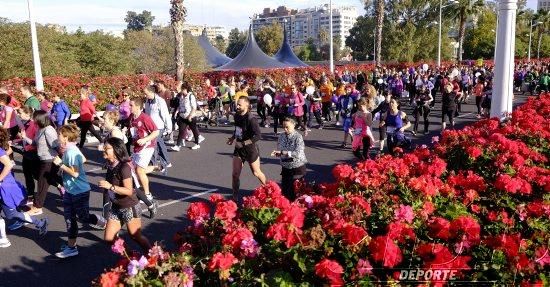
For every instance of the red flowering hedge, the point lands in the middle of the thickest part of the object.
(108, 88)
(474, 208)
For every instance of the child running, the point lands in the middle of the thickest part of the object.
(76, 199)
(361, 132)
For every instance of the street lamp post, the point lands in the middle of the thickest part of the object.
(35, 54)
(530, 36)
(503, 80)
(331, 52)
(440, 24)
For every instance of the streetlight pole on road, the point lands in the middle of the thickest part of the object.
(35, 54)
(530, 36)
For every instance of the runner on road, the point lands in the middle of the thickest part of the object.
(246, 135)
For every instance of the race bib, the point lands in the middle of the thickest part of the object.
(133, 132)
(238, 133)
(390, 129)
(357, 132)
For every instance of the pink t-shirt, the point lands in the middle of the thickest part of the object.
(46, 106)
(5, 111)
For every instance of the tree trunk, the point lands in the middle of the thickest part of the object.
(538, 44)
(379, 25)
(180, 61)
(177, 17)
(461, 33)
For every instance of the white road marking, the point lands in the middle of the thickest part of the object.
(187, 197)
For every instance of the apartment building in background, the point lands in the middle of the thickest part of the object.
(543, 4)
(211, 31)
(309, 23)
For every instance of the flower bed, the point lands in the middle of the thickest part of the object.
(474, 208)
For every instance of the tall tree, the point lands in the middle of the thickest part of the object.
(542, 17)
(462, 12)
(177, 17)
(220, 43)
(270, 38)
(236, 42)
(138, 22)
(380, 6)
(480, 40)
(360, 38)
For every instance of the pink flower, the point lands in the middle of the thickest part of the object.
(363, 267)
(118, 246)
(404, 213)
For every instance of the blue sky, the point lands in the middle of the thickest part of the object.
(109, 14)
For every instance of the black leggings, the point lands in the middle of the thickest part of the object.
(30, 171)
(366, 147)
(86, 126)
(288, 176)
(478, 104)
(277, 118)
(424, 111)
(262, 112)
(47, 175)
(326, 110)
(182, 124)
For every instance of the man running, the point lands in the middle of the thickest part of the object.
(246, 135)
(144, 134)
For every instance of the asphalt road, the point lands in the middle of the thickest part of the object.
(195, 175)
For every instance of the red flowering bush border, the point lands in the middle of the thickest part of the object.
(108, 88)
(474, 208)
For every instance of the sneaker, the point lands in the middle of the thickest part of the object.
(170, 142)
(320, 127)
(67, 252)
(175, 148)
(5, 243)
(169, 165)
(195, 147)
(101, 223)
(16, 225)
(201, 138)
(43, 226)
(153, 208)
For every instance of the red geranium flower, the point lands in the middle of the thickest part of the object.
(384, 251)
(439, 228)
(226, 210)
(353, 234)
(284, 232)
(466, 226)
(330, 270)
(342, 172)
(198, 211)
(109, 279)
(235, 237)
(222, 261)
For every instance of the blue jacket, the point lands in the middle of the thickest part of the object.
(61, 111)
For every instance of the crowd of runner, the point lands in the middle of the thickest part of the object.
(136, 133)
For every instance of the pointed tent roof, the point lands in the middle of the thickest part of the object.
(213, 56)
(286, 55)
(252, 57)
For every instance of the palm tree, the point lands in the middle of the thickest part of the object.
(543, 17)
(461, 12)
(177, 17)
(380, 5)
